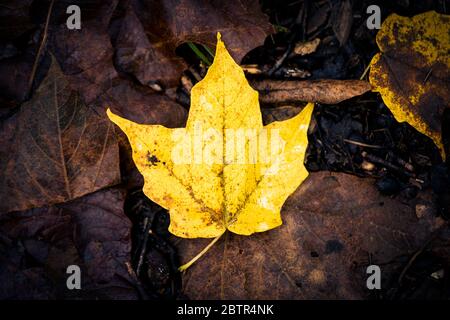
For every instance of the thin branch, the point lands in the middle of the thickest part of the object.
(41, 46)
(361, 144)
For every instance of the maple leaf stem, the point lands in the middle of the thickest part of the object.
(200, 254)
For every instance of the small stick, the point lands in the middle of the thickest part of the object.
(41, 47)
(280, 61)
(144, 246)
(365, 72)
(428, 75)
(361, 144)
(195, 74)
(321, 91)
(413, 258)
(387, 164)
(301, 18)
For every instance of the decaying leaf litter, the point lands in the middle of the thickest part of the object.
(344, 138)
(412, 71)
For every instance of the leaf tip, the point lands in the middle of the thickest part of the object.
(220, 45)
(114, 117)
(110, 114)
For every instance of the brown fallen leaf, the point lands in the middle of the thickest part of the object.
(38, 245)
(142, 105)
(151, 30)
(16, 70)
(29, 20)
(280, 113)
(86, 57)
(15, 73)
(318, 18)
(412, 71)
(90, 10)
(321, 251)
(342, 20)
(320, 91)
(135, 55)
(59, 149)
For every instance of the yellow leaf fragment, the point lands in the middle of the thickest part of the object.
(224, 170)
(412, 70)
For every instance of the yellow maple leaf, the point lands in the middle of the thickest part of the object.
(224, 171)
(412, 70)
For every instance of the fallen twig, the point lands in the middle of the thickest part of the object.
(387, 164)
(41, 46)
(321, 91)
(361, 144)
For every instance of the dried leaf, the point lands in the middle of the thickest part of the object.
(279, 113)
(86, 58)
(412, 71)
(90, 10)
(305, 48)
(14, 83)
(321, 251)
(219, 187)
(60, 149)
(151, 31)
(342, 20)
(91, 232)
